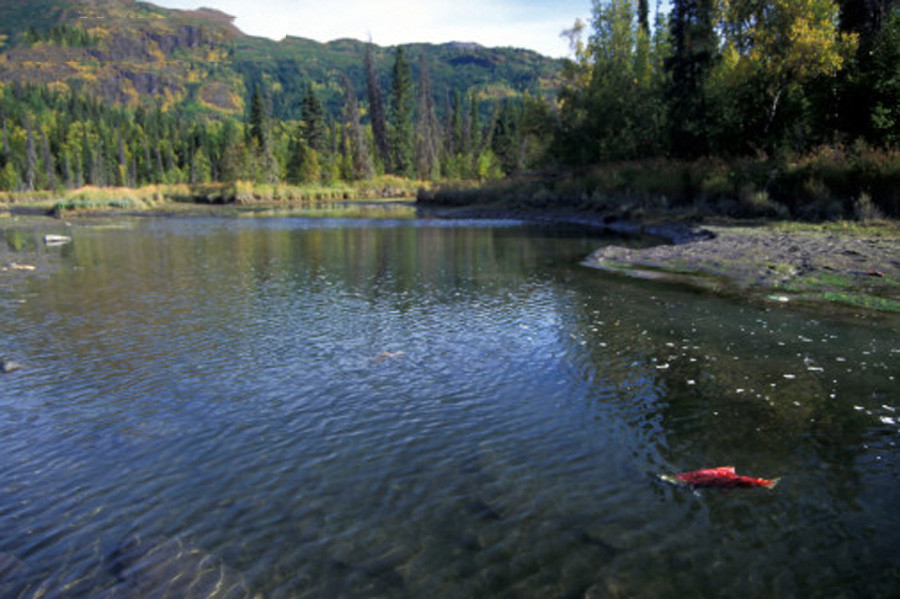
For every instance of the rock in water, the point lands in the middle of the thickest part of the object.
(7, 365)
(171, 569)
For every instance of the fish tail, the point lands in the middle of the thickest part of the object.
(773, 483)
(671, 479)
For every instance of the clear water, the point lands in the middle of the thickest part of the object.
(352, 408)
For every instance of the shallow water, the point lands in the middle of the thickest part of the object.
(354, 408)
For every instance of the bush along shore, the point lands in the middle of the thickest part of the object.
(821, 229)
(832, 184)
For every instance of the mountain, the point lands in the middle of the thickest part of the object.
(134, 53)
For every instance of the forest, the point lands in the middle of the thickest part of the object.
(777, 81)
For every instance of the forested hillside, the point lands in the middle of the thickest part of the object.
(794, 98)
(119, 92)
(131, 53)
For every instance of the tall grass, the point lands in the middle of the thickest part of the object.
(98, 199)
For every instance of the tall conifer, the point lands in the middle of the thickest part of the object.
(361, 160)
(428, 129)
(376, 110)
(401, 131)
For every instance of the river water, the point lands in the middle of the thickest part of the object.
(301, 407)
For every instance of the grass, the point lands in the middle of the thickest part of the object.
(243, 193)
(860, 300)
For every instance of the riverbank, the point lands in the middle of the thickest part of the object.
(845, 263)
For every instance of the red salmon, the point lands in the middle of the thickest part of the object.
(723, 477)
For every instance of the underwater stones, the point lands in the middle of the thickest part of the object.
(171, 569)
(12, 574)
(482, 510)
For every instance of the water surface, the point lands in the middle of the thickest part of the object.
(356, 408)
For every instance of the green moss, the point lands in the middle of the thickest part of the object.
(861, 300)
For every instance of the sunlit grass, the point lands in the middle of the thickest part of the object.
(242, 193)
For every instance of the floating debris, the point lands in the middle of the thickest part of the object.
(51, 239)
(25, 267)
(387, 355)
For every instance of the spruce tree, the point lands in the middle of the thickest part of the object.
(401, 132)
(428, 141)
(694, 47)
(30, 156)
(259, 125)
(266, 165)
(473, 133)
(376, 110)
(360, 159)
(312, 124)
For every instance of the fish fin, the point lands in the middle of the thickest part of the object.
(774, 483)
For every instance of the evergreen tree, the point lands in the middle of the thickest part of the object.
(867, 92)
(122, 164)
(259, 119)
(49, 163)
(356, 146)
(643, 15)
(264, 165)
(506, 139)
(30, 156)
(312, 125)
(376, 111)
(428, 142)
(472, 132)
(457, 125)
(449, 145)
(402, 144)
(694, 50)
(5, 136)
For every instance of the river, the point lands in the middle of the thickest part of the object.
(300, 407)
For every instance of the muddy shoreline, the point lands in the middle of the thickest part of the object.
(843, 264)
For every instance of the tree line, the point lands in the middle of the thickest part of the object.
(736, 78)
(55, 140)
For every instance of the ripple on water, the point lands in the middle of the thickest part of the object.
(394, 412)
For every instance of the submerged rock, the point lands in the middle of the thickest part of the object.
(12, 574)
(171, 569)
(7, 365)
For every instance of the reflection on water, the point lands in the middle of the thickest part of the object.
(350, 408)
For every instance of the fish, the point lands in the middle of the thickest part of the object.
(387, 355)
(723, 477)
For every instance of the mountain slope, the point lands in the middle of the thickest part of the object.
(132, 53)
(122, 51)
